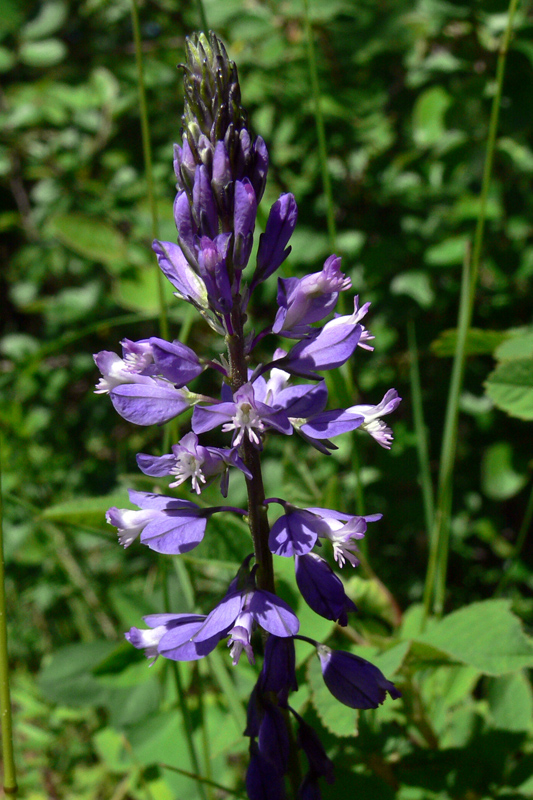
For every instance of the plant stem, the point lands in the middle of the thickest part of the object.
(147, 153)
(180, 691)
(257, 513)
(10, 774)
(420, 430)
(435, 588)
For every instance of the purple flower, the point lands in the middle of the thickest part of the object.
(211, 257)
(372, 424)
(152, 402)
(321, 589)
(330, 347)
(273, 248)
(239, 609)
(191, 460)
(263, 780)
(204, 207)
(303, 301)
(181, 275)
(135, 366)
(170, 635)
(295, 532)
(273, 739)
(341, 530)
(244, 222)
(175, 361)
(278, 673)
(165, 524)
(354, 681)
(245, 415)
(307, 739)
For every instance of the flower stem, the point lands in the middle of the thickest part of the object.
(257, 512)
(10, 775)
(202, 15)
(147, 152)
(420, 430)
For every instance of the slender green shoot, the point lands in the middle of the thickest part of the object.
(438, 559)
(439, 540)
(182, 700)
(202, 15)
(147, 152)
(422, 446)
(10, 773)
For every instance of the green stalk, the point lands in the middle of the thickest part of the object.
(182, 701)
(147, 152)
(420, 430)
(439, 540)
(320, 132)
(10, 773)
(438, 561)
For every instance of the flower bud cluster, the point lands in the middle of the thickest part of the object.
(221, 173)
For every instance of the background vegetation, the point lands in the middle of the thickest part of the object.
(406, 91)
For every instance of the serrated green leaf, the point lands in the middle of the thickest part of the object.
(141, 292)
(478, 342)
(94, 239)
(499, 480)
(86, 510)
(485, 635)
(337, 718)
(67, 678)
(510, 387)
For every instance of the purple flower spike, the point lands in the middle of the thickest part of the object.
(158, 625)
(303, 301)
(186, 226)
(272, 243)
(176, 362)
(151, 403)
(372, 424)
(259, 175)
(331, 347)
(211, 255)
(181, 275)
(321, 589)
(354, 681)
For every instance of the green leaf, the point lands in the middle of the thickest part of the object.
(86, 510)
(141, 293)
(478, 342)
(50, 18)
(510, 387)
(67, 678)
(415, 285)
(516, 346)
(485, 635)
(428, 116)
(43, 54)
(511, 702)
(499, 480)
(337, 718)
(7, 59)
(447, 253)
(94, 239)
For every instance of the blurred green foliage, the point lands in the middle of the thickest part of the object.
(406, 90)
